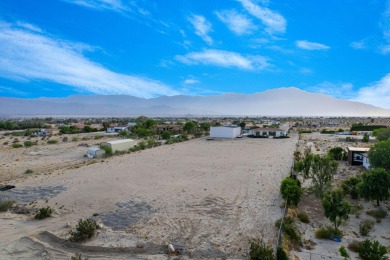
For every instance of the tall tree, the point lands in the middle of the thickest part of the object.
(375, 185)
(336, 208)
(189, 127)
(379, 155)
(320, 169)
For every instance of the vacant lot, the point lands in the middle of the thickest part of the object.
(209, 196)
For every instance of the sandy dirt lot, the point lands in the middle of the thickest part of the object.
(208, 197)
(45, 158)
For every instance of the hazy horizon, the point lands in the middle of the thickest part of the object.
(197, 48)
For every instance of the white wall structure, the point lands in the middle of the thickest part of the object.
(120, 145)
(227, 131)
(275, 132)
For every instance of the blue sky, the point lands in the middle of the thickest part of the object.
(57, 48)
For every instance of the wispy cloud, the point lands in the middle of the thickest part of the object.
(312, 46)
(377, 93)
(359, 45)
(110, 5)
(236, 22)
(190, 81)
(202, 27)
(274, 22)
(28, 55)
(225, 59)
(12, 90)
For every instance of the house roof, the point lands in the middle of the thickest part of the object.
(267, 129)
(358, 149)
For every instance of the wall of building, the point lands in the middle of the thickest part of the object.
(225, 132)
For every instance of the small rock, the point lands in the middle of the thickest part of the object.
(171, 249)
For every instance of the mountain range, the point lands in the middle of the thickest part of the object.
(276, 102)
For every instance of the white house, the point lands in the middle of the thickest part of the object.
(226, 131)
(266, 132)
(116, 129)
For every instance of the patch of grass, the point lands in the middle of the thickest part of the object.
(97, 137)
(355, 246)
(85, 229)
(378, 214)
(28, 143)
(365, 227)
(44, 213)
(52, 141)
(16, 145)
(327, 232)
(74, 139)
(28, 171)
(259, 250)
(303, 217)
(95, 214)
(290, 230)
(6, 205)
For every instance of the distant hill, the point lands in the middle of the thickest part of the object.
(276, 102)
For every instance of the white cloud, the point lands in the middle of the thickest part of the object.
(224, 59)
(190, 81)
(202, 27)
(236, 22)
(274, 22)
(377, 94)
(311, 45)
(111, 5)
(28, 55)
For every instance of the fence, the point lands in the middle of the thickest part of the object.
(279, 239)
(304, 255)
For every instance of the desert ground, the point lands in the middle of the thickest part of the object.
(206, 197)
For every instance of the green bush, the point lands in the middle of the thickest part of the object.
(52, 141)
(85, 229)
(16, 145)
(290, 230)
(337, 153)
(365, 227)
(78, 256)
(28, 171)
(28, 143)
(258, 250)
(74, 139)
(44, 213)
(281, 254)
(351, 187)
(327, 232)
(303, 217)
(6, 205)
(372, 250)
(291, 191)
(343, 252)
